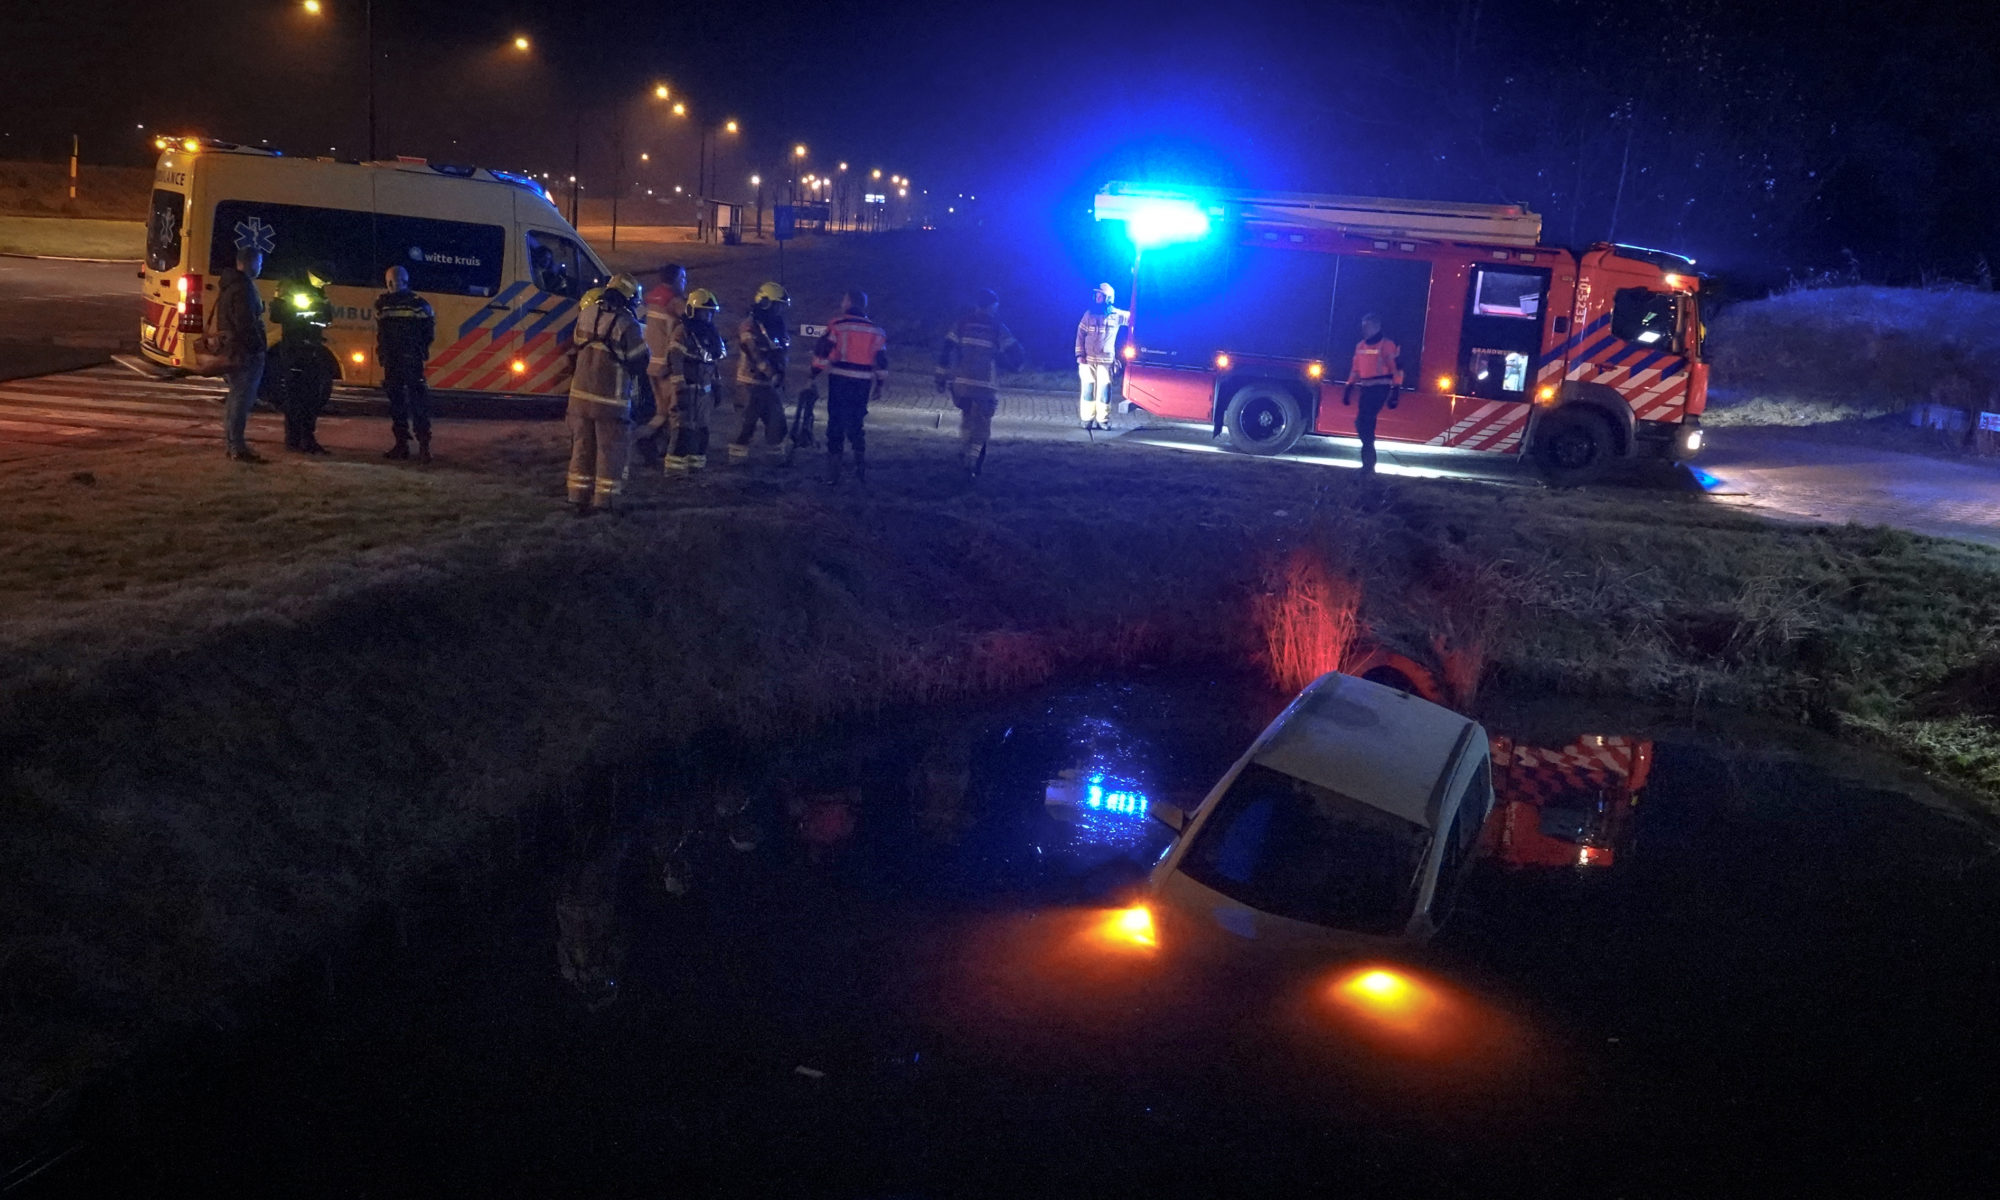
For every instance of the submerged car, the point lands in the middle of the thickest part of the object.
(1351, 820)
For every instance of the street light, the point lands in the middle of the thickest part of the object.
(660, 91)
(729, 127)
(876, 173)
(680, 109)
(798, 151)
(312, 8)
(522, 44)
(645, 157)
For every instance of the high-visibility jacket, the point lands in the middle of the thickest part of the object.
(1097, 335)
(664, 309)
(976, 347)
(1375, 363)
(611, 354)
(404, 328)
(765, 349)
(693, 358)
(853, 347)
(302, 323)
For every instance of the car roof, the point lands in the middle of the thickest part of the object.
(1372, 743)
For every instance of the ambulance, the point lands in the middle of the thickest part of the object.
(1247, 306)
(498, 263)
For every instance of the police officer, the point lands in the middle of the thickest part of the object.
(404, 327)
(303, 369)
(764, 346)
(974, 349)
(610, 365)
(1376, 374)
(854, 353)
(1096, 354)
(694, 360)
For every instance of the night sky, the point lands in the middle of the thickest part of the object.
(1856, 136)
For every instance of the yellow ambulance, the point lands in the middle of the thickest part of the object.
(488, 249)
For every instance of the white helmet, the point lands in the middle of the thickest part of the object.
(1109, 293)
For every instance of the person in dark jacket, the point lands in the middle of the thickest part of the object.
(976, 348)
(404, 327)
(303, 368)
(239, 322)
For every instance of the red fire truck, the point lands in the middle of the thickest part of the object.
(1246, 307)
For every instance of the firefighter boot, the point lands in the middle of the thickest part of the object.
(738, 453)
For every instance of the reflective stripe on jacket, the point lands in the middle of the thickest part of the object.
(1375, 364)
(611, 353)
(853, 348)
(763, 355)
(974, 348)
(664, 309)
(1097, 335)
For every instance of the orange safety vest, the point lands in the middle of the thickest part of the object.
(852, 348)
(1375, 365)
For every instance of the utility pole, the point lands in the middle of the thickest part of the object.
(73, 145)
(369, 20)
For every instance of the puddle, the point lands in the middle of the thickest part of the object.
(898, 959)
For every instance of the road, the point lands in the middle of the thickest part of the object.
(59, 316)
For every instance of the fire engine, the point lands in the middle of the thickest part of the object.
(1246, 307)
(1565, 806)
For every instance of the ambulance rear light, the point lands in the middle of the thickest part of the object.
(188, 289)
(357, 358)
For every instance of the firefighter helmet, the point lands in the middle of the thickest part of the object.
(625, 286)
(773, 293)
(702, 298)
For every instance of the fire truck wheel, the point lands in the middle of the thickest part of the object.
(1264, 420)
(1573, 446)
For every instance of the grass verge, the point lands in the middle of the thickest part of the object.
(69, 237)
(239, 707)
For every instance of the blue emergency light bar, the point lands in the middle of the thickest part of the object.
(1157, 220)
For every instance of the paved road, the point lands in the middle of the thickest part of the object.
(1783, 474)
(55, 315)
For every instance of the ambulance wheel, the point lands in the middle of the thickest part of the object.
(1264, 420)
(1573, 447)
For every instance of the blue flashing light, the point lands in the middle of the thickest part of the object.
(1123, 803)
(1160, 222)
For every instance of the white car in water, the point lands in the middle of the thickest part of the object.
(1351, 820)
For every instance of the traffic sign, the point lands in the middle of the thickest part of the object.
(784, 222)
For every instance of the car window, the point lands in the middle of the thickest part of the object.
(453, 258)
(1461, 841)
(1295, 849)
(163, 230)
(557, 264)
(296, 237)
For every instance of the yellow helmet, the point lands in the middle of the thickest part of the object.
(773, 293)
(625, 286)
(704, 299)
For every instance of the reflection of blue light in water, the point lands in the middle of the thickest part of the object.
(1129, 804)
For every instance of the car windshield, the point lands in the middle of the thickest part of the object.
(1295, 849)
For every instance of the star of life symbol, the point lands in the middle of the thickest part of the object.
(166, 224)
(254, 234)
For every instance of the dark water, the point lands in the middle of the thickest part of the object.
(1776, 976)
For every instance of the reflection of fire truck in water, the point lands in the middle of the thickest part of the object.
(1246, 307)
(1568, 806)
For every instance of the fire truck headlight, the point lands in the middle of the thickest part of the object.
(1162, 222)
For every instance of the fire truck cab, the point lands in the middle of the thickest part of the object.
(1246, 308)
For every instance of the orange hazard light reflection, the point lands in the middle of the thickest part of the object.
(1131, 927)
(1393, 1001)
(520, 368)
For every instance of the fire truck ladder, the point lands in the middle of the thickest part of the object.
(1367, 216)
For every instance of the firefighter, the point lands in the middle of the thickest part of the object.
(694, 360)
(974, 349)
(404, 327)
(610, 365)
(1096, 355)
(664, 305)
(854, 353)
(1377, 375)
(765, 350)
(304, 372)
